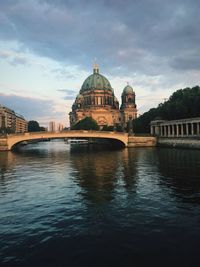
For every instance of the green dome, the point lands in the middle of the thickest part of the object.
(128, 90)
(96, 81)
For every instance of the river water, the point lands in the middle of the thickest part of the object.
(83, 206)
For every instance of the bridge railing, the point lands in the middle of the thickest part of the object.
(65, 131)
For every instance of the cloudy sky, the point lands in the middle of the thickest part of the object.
(47, 49)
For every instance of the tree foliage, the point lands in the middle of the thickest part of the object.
(184, 103)
(117, 128)
(87, 123)
(108, 128)
(4, 130)
(33, 126)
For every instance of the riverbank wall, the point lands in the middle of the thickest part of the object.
(184, 142)
(142, 141)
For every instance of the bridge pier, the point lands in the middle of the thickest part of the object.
(3, 144)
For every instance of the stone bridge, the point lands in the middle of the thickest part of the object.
(9, 141)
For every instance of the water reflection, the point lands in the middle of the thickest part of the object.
(100, 173)
(7, 164)
(180, 171)
(6, 161)
(61, 205)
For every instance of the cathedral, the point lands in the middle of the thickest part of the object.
(96, 99)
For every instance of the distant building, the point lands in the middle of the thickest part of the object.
(21, 124)
(96, 99)
(52, 126)
(10, 122)
(60, 127)
(8, 118)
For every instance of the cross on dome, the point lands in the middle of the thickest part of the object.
(95, 67)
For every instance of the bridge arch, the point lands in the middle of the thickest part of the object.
(14, 139)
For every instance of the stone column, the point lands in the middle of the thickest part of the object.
(198, 128)
(181, 129)
(173, 130)
(169, 130)
(177, 130)
(187, 129)
(151, 129)
(192, 128)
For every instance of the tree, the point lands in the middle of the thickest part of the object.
(117, 128)
(87, 123)
(33, 126)
(4, 130)
(42, 129)
(108, 128)
(184, 103)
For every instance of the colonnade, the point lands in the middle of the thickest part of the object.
(176, 128)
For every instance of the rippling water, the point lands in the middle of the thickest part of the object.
(79, 206)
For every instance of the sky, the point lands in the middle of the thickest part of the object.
(48, 47)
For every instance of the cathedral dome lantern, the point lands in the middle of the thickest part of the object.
(96, 81)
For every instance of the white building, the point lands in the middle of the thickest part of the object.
(60, 127)
(52, 126)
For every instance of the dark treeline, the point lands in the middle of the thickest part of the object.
(87, 123)
(184, 103)
(33, 126)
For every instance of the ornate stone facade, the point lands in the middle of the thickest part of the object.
(96, 99)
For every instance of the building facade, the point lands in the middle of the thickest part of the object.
(96, 99)
(10, 122)
(60, 127)
(21, 124)
(7, 119)
(52, 126)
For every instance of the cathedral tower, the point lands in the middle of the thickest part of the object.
(128, 107)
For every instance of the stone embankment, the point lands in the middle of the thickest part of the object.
(189, 142)
(141, 141)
